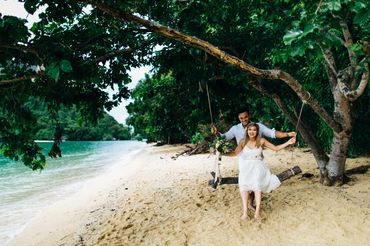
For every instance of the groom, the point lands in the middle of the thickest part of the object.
(238, 132)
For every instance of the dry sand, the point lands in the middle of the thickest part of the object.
(161, 201)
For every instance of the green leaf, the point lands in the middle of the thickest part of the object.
(291, 36)
(298, 51)
(66, 66)
(53, 71)
(359, 5)
(362, 17)
(357, 48)
(30, 6)
(308, 29)
(334, 5)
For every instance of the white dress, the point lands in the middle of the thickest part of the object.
(253, 173)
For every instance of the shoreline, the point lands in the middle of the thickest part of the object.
(66, 218)
(158, 200)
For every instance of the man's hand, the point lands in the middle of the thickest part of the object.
(292, 140)
(292, 134)
(214, 130)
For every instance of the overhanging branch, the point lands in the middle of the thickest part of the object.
(22, 48)
(221, 55)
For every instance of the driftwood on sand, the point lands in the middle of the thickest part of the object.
(198, 148)
(358, 170)
(289, 173)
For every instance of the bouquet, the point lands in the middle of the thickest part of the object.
(222, 145)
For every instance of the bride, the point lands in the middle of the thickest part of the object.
(253, 173)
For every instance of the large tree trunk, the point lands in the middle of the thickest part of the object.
(339, 148)
(309, 137)
(337, 161)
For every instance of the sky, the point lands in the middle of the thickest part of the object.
(120, 112)
(15, 8)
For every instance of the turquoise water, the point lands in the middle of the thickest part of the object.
(24, 193)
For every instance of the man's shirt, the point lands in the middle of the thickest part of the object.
(238, 132)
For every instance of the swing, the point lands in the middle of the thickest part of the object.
(216, 175)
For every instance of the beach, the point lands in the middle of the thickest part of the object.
(160, 200)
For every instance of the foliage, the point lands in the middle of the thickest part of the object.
(258, 32)
(163, 111)
(197, 138)
(75, 52)
(67, 59)
(73, 126)
(222, 145)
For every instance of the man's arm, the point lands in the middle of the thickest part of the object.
(265, 131)
(230, 134)
(272, 133)
(279, 134)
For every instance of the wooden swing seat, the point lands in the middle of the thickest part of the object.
(234, 180)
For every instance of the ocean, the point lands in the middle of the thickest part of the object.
(25, 193)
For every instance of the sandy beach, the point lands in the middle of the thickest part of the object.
(156, 200)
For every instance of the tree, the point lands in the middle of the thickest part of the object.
(59, 70)
(338, 29)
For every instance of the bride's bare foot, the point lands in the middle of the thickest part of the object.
(257, 216)
(250, 207)
(245, 216)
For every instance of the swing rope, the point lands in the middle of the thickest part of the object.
(217, 175)
(296, 127)
(209, 104)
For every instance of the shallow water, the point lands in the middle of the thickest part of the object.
(24, 193)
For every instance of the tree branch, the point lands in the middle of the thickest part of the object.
(138, 30)
(306, 97)
(348, 44)
(329, 63)
(22, 48)
(221, 55)
(121, 52)
(15, 80)
(318, 7)
(236, 53)
(83, 45)
(352, 95)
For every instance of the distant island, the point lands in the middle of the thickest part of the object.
(74, 127)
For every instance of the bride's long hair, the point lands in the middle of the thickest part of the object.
(246, 137)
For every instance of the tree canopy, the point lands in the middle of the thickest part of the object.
(269, 55)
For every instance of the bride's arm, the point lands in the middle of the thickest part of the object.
(237, 149)
(271, 146)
